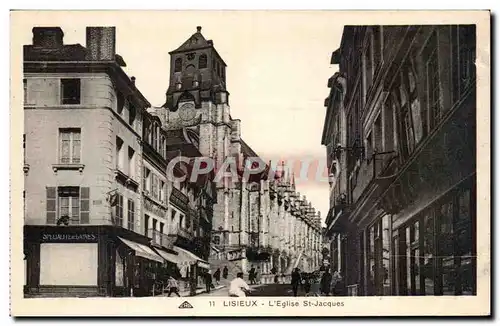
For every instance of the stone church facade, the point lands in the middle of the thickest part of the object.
(261, 222)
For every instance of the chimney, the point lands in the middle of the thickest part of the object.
(101, 43)
(48, 37)
(132, 79)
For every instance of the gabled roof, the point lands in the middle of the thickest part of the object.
(195, 41)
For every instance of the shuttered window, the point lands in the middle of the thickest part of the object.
(70, 202)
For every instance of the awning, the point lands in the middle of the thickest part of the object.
(187, 258)
(168, 256)
(142, 250)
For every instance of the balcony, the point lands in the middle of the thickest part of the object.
(183, 233)
(160, 239)
(179, 199)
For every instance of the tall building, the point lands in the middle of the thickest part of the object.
(400, 138)
(100, 216)
(260, 222)
(177, 215)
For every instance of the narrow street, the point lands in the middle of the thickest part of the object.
(261, 290)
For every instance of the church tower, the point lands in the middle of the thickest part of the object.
(197, 74)
(197, 97)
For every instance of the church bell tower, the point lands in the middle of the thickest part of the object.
(197, 74)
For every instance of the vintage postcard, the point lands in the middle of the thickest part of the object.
(316, 163)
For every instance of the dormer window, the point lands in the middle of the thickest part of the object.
(202, 61)
(178, 65)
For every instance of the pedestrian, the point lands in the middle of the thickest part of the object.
(208, 281)
(217, 276)
(340, 289)
(296, 280)
(225, 272)
(238, 286)
(307, 283)
(257, 275)
(326, 283)
(251, 275)
(173, 286)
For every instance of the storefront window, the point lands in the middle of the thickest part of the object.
(465, 278)
(395, 266)
(413, 258)
(371, 261)
(386, 238)
(428, 254)
(446, 250)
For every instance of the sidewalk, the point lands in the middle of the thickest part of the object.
(198, 291)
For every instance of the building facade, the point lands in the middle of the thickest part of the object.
(177, 215)
(97, 198)
(400, 138)
(250, 215)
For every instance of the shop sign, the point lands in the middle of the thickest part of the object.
(69, 237)
(154, 208)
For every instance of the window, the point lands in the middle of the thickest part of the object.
(188, 221)
(155, 136)
(172, 215)
(131, 214)
(389, 137)
(377, 135)
(146, 181)
(68, 205)
(132, 112)
(368, 61)
(146, 224)
(154, 188)
(25, 90)
(131, 162)
(162, 227)
(120, 102)
(428, 254)
(181, 220)
(70, 91)
(163, 147)
(70, 149)
(369, 146)
(119, 211)
(119, 154)
(412, 122)
(202, 61)
(162, 191)
(178, 65)
(433, 83)
(464, 41)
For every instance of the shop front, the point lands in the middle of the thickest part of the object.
(193, 270)
(86, 261)
(434, 251)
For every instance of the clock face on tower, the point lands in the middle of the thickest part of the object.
(187, 111)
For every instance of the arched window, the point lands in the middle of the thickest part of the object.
(178, 65)
(202, 61)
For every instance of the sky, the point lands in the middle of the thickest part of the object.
(278, 68)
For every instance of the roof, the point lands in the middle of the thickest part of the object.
(195, 42)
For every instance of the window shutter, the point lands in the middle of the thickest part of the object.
(51, 205)
(84, 205)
